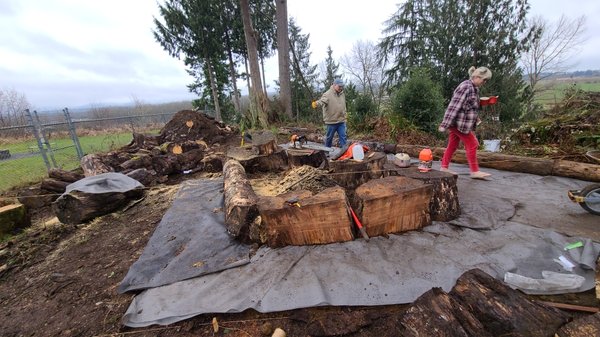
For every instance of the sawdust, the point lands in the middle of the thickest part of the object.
(299, 178)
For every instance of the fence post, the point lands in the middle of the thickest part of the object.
(73, 134)
(44, 138)
(37, 137)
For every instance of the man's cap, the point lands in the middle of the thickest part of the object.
(338, 81)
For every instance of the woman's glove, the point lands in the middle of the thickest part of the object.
(442, 129)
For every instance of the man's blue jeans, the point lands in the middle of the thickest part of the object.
(340, 128)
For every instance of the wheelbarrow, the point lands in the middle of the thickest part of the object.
(588, 197)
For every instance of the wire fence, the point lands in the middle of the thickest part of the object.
(57, 140)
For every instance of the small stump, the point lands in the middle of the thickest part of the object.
(315, 219)
(393, 205)
(351, 173)
(300, 157)
(444, 205)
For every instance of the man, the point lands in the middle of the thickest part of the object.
(333, 104)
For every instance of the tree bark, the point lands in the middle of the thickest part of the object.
(283, 55)
(351, 174)
(588, 326)
(240, 201)
(504, 311)
(262, 103)
(213, 89)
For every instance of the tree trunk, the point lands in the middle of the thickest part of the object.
(262, 104)
(539, 166)
(77, 207)
(213, 89)
(232, 74)
(92, 165)
(588, 326)
(240, 201)
(504, 311)
(283, 55)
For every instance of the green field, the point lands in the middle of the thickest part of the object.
(552, 91)
(24, 171)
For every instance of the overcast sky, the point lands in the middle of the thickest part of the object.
(73, 53)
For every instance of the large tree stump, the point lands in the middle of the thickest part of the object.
(393, 205)
(444, 204)
(504, 311)
(253, 162)
(588, 326)
(13, 217)
(240, 203)
(300, 157)
(264, 142)
(351, 173)
(93, 165)
(318, 219)
(435, 313)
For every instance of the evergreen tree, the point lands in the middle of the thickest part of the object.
(303, 75)
(449, 36)
(331, 69)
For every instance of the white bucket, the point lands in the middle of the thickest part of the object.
(357, 152)
(491, 145)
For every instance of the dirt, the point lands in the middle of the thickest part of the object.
(61, 280)
(189, 124)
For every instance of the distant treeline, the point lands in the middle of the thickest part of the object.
(579, 73)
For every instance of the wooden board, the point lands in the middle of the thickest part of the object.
(350, 173)
(393, 205)
(444, 204)
(321, 218)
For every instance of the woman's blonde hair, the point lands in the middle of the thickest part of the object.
(481, 72)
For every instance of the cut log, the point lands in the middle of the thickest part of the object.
(539, 166)
(240, 201)
(165, 165)
(318, 219)
(62, 175)
(504, 311)
(264, 142)
(138, 161)
(212, 163)
(144, 176)
(172, 148)
(300, 157)
(92, 165)
(190, 159)
(444, 204)
(351, 173)
(393, 205)
(54, 185)
(252, 162)
(588, 326)
(12, 218)
(35, 197)
(78, 207)
(435, 313)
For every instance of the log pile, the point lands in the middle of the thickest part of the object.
(188, 142)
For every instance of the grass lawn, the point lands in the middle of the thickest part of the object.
(552, 91)
(23, 171)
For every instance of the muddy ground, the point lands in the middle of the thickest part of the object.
(61, 280)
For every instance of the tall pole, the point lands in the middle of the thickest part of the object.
(37, 137)
(73, 134)
(44, 138)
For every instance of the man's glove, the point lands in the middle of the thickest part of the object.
(313, 104)
(442, 129)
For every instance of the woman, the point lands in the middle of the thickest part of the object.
(461, 118)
